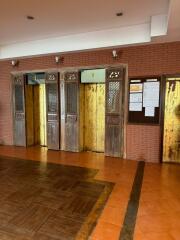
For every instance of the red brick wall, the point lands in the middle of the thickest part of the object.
(155, 59)
(143, 142)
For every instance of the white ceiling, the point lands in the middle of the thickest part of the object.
(65, 17)
(70, 22)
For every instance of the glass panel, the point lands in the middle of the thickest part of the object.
(19, 98)
(113, 97)
(35, 78)
(93, 76)
(52, 97)
(71, 98)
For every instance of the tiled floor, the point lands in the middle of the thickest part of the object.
(159, 209)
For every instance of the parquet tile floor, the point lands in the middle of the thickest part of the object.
(47, 201)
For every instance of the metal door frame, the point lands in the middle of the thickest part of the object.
(62, 69)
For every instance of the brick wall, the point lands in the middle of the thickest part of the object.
(155, 59)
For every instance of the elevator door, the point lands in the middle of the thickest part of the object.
(40, 114)
(171, 141)
(36, 131)
(94, 117)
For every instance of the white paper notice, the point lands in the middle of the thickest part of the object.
(136, 97)
(149, 111)
(151, 94)
(135, 107)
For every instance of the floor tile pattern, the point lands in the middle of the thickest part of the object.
(46, 201)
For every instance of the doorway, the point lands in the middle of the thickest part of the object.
(94, 117)
(171, 132)
(35, 105)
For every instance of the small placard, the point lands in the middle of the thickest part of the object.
(135, 97)
(135, 107)
(135, 88)
(135, 81)
(151, 94)
(151, 80)
(149, 111)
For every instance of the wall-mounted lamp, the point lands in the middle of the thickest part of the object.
(59, 59)
(14, 63)
(114, 54)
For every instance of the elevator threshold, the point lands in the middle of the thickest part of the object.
(89, 151)
(37, 146)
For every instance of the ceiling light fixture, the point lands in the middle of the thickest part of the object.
(30, 17)
(119, 14)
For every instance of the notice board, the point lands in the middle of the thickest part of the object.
(144, 100)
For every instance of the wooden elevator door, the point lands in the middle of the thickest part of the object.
(171, 142)
(36, 130)
(94, 117)
(40, 113)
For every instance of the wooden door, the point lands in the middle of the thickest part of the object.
(53, 110)
(171, 136)
(94, 117)
(29, 104)
(114, 119)
(42, 115)
(71, 84)
(19, 110)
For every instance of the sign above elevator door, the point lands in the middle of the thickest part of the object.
(93, 76)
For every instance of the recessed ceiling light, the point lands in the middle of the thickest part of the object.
(119, 14)
(30, 17)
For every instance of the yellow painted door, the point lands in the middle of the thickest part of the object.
(40, 129)
(171, 141)
(42, 112)
(94, 117)
(29, 115)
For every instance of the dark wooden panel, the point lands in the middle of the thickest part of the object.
(53, 110)
(19, 110)
(113, 144)
(53, 134)
(114, 122)
(30, 123)
(72, 111)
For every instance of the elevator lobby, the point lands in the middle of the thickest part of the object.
(90, 120)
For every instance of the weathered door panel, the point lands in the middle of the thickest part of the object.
(114, 123)
(42, 113)
(100, 117)
(71, 85)
(19, 110)
(171, 141)
(36, 114)
(35, 102)
(53, 110)
(53, 135)
(94, 117)
(29, 103)
(90, 114)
